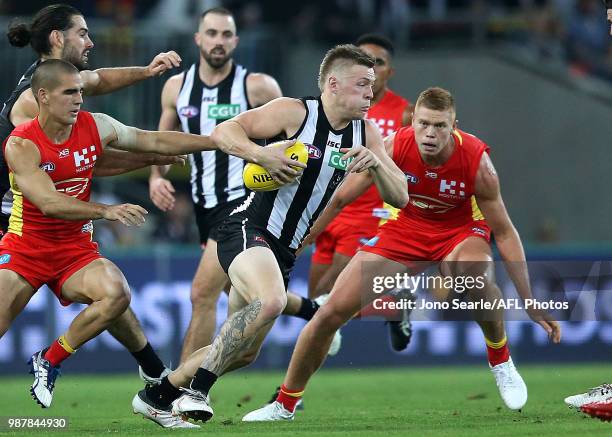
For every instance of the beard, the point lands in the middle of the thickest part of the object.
(216, 62)
(70, 54)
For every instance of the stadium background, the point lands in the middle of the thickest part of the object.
(531, 78)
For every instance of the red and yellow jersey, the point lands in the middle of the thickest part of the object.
(70, 167)
(388, 114)
(439, 194)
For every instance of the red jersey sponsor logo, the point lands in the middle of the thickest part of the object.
(64, 153)
(452, 189)
(85, 159)
(72, 187)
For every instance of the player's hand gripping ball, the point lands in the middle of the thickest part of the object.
(257, 178)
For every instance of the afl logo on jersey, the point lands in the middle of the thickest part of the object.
(189, 111)
(411, 178)
(47, 167)
(313, 152)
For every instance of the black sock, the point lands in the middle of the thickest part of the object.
(149, 361)
(307, 310)
(163, 394)
(203, 380)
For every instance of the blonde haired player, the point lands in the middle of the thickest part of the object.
(437, 226)
(257, 245)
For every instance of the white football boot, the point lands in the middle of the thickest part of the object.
(141, 404)
(193, 404)
(271, 412)
(602, 393)
(511, 386)
(44, 379)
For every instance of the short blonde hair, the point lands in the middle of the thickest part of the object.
(347, 54)
(436, 98)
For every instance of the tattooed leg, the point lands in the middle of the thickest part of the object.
(258, 284)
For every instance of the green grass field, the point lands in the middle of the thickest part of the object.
(445, 401)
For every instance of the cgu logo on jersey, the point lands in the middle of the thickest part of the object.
(72, 187)
(450, 188)
(223, 112)
(47, 167)
(336, 162)
(313, 152)
(189, 111)
(85, 160)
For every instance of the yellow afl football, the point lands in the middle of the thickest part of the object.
(257, 178)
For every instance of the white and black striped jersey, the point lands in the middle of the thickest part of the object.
(216, 177)
(6, 127)
(289, 212)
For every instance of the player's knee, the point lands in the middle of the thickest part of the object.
(117, 297)
(329, 318)
(273, 306)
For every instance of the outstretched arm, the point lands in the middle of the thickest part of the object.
(23, 159)
(115, 134)
(115, 162)
(489, 199)
(107, 80)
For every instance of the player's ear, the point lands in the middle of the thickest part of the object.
(391, 71)
(197, 38)
(237, 39)
(332, 82)
(42, 96)
(56, 39)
